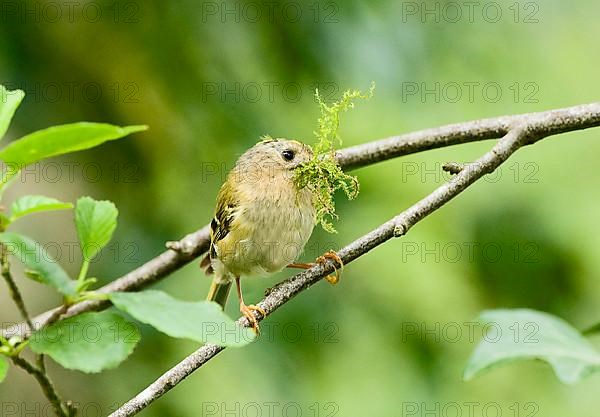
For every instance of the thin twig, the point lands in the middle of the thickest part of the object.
(192, 246)
(453, 167)
(195, 244)
(61, 409)
(13, 289)
(56, 315)
(518, 133)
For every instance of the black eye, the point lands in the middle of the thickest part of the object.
(288, 154)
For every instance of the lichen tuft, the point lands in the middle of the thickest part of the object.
(322, 175)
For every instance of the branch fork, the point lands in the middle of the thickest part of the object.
(512, 132)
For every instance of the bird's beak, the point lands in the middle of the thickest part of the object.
(297, 164)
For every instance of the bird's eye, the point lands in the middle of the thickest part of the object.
(288, 154)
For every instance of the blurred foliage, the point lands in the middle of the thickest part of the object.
(194, 76)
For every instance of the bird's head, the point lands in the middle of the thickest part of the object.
(273, 158)
(284, 154)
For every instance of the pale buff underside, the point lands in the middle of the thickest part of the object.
(268, 232)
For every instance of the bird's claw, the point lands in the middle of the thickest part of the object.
(247, 311)
(331, 255)
(321, 260)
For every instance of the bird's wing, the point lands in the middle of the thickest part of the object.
(227, 207)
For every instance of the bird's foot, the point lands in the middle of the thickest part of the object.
(248, 312)
(331, 255)
(321, 260)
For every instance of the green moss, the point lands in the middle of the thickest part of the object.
(322, 175)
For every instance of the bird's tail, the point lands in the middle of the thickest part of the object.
(219, 290)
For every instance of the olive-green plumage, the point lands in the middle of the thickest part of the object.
(262, 220)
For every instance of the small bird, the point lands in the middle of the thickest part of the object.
(262, 219)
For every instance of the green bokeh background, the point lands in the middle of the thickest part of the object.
(209, 85)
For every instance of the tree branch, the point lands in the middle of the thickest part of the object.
(195, 244)
(517, 132)
(548, 122)
(192, 246)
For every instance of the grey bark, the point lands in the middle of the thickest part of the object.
(195, 244)
(515, 132)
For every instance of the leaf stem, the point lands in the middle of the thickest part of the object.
(84, 270)
(92, 295)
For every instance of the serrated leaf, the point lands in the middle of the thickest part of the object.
(89, 342)
(35, 203)
(9, 102)
(43, 267)
(3, 368)
(96, 221)
(528, 334)
(59, 140)
(202, 321)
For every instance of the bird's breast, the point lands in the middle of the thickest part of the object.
(268, 233)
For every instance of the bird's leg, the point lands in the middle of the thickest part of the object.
(248, 311)
(321, 260)
(300, 265)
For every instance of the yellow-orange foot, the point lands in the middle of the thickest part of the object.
(321, 260)
(247, 311)
(333, 280)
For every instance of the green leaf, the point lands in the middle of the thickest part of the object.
(96, 221)
(3, 368)
(528, 334)
(43, 268)
(59, 140)
(202, 321)
(35, 203)
(89, 342)
(9, 102)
